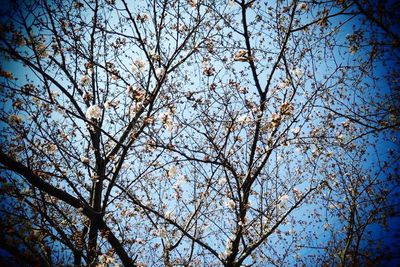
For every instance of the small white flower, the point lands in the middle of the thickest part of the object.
(243, 119)
(298, 73)
(302, 6)
(172, 172)
(85, 80)
(276, 120)
(154, 56)
(283, 84)
(242, 223)
(136, 92)
(296, 130)
(87, 96)
(243, 90)
(138, 65)
(341, 138)
(85, 160)
(192, 3)
(283, 200)
(287, 109)
(134, 108)
(143, 17)
(93, 112)
(169, 214)
(222, 181)
(230, 204)
(297, 193)
(160, 73)
(51, 148)
(107, 104)
(166, 120)
(228, 247)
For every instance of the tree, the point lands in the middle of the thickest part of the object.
(197, 132)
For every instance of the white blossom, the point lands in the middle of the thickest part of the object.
(192, 3)
(243, 119)
(287, 109)
(51, 148)
(295, 130)
(87, 96)
(222, 181)
(283, 84)
(107, 104)
(166, 120)
(302, 6)
(85, 160)
(85, 80)
(169, 214)
(276, 120)
(134, 108)
(93, 112)
(283, 200)
(161, 232)
(297, 193)
(172, 172)
(160, 73)
(230, 204)
(298, 73)
(138, 65)
(136, 92)
(228, 247)
(143, 17)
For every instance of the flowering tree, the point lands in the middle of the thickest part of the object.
(195, 132)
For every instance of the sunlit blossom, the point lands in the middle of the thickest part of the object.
(303, 6)
(241, 55)
(208, 70)
(135, 92)
(51, 148)
(287, 109)
(172, 172)
(296, 130)
(134, 108)
(166, 120)
(85, 80)
(192, 3)
(160, 72)
(143, 17)
(138, 65)
(93, 112)
(276, 120)
(87, 96)
(284, 199)
(222, 181)
(84, 160)
(298, 72)
(230, 204)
